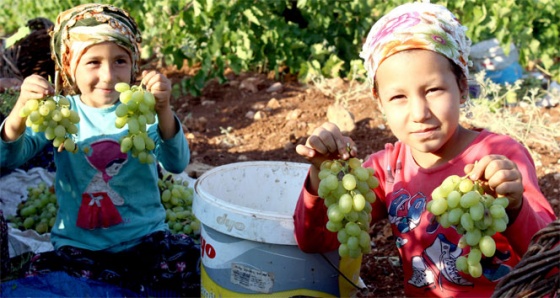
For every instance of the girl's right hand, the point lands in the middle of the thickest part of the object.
(34, 87)
(326, 143)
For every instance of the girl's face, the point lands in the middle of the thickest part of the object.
(420, 96)
(99, 69)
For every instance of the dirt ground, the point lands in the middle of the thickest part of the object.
(242, 120)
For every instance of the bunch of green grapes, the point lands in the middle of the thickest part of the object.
(137, 110)
(177, 198)
(347, 189)
(54, 118)
(38, 211)
(476, 215)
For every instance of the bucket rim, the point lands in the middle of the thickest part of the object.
(241, 209)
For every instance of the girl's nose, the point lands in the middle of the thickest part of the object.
(106, 74)
(419, 109)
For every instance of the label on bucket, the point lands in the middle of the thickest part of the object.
(252, 279)
(234, 267)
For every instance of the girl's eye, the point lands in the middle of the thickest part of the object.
(121, 61)
(396, 97)
(432, 90)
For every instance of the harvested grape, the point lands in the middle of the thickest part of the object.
(177, 198)
(53, 117)
(38, 211)
(137, 111)
(461, 203)
(347, 190)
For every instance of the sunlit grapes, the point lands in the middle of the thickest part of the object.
(347, 190)
(53, 117)
(136, 111)
(476, 215)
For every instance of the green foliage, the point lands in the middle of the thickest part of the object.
(8, 99)
(308, 38)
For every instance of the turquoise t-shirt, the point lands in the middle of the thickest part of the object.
(107, 199)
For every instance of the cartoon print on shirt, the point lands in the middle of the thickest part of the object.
(493, 268)
(438, 263)
(401, 242)
(405, 210)
(97, 209)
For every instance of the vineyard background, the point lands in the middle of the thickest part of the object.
(252, 79)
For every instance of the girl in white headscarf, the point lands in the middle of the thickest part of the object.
(110, 224)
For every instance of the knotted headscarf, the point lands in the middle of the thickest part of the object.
(416, 25)
(85, 25)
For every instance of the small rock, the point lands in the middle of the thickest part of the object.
(233, 83)
(291, 124)
(208, 102)
(250, 115)
(250, 84)
(340, 116)
(294, 114)
(276, 87)
(258, 106)
(273, 103)
(259, 115)
(242, 158)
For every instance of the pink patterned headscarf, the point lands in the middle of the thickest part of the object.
(85, 25)
(416, 26)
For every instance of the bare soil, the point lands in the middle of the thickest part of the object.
(242, 120)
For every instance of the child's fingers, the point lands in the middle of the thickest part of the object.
(329, 141)
(500, 175)
(35, 87)
(305, 151)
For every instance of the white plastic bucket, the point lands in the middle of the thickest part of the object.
(247, 237)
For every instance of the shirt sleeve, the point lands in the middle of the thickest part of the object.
(536, 212)
(16, 153)
(174, 153)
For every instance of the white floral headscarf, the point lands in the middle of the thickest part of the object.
(80, 27)
(416, 25)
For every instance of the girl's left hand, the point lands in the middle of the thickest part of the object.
(160, 86)
(500, 177)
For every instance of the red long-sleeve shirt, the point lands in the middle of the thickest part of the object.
(428, 251)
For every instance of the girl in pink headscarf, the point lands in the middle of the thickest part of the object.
(417, 62)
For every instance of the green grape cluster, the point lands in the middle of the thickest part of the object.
(347, 190)
(137, 110)
(476, 215)
(54, 118)
(38, 211)
(177, 198)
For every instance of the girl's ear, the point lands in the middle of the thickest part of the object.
(377, 100)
